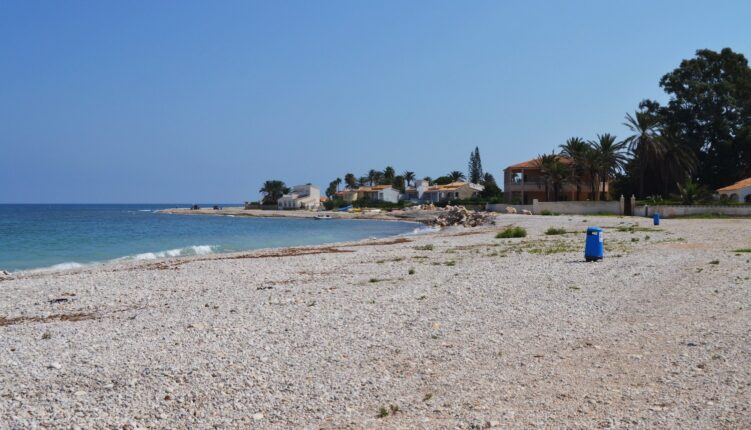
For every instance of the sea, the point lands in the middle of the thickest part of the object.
(42, 237)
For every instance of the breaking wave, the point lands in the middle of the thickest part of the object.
(178, 252)
(423, 229)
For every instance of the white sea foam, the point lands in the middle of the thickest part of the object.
(423, 229)
(190, 250)
(145, 210)
(57, 267)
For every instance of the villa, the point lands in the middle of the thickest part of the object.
(738, 192)
(301, 197)
(453, 191)
(381, 193)
(524, 182)
(415, 194)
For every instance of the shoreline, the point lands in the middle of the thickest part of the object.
(128, 262)
(419, 216)
(451, 329)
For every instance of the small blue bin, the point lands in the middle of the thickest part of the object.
(593, 249)
(656, 218)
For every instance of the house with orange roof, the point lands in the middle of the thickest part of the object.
(738, 192)
(453, 191)
(524, 182)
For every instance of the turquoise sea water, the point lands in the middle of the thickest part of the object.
(66, 236)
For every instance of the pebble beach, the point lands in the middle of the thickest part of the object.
(449, 329)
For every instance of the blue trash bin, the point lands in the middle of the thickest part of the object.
(593, 249)
(656, 218)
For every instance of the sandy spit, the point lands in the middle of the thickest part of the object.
(454, 329)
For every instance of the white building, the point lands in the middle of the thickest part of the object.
(301, 197)
(738, 192)
(381, 193)
(415, 194)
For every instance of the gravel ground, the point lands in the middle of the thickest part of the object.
(454, 329)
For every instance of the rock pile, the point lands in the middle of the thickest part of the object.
(459, 215)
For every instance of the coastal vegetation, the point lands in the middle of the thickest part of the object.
(511, 232)
(699, 141)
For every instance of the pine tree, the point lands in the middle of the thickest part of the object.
(475, 167)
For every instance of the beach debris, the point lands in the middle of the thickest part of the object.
(60, 300)
(526, 212)
(459, 215)
(510, 210)
(55, 366)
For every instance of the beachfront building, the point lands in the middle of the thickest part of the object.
(738, 192)
(379, 193)
(301, 197)
(415, 194)
(524, 182)
(453, 191)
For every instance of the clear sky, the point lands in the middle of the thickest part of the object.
(162, 101)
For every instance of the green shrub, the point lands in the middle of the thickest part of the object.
(427, 247)
(552, 231)
(511, 232)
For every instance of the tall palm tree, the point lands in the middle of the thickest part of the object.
(372, 175)
(362, 181)
(350, 180)
(645, 144)
(388, 175)
(456, 175)
(543, 162)
(591, 164)
(677, 163)
(575, 149)
(611, 156)
(272, 191)
(409, 177)
(338, 181)
(428, 179)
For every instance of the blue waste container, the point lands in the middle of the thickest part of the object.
(656, 218)
(593, 249)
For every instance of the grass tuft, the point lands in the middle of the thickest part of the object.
(552, 231)
(427, 247)
(511, 232)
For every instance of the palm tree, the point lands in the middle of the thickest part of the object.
(409, 177)
(350, 180)
(456, 175)
(338, 181)
(611, 157)
(428, 179)
(575, 148)
(388, 175)
(362, 180)
(378, 178)
(590, 163)
(272, 191)
(644, 144)
(543, 163)
(677, 163)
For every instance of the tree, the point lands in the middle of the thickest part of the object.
(409, 177)
(272, 191)
(554, 172)
(644, 144)
(444, 180)
(362, 181)
(372, 176)
(610, 156)
(456, 176)
(691, 193)
(709, 112)
(332, 188)
(491, 187)
(576, 148)
(388, 175)
(350, 181)
(475, 167)
(398, 183)
(543, 163)
(338, 182)
(428, 179)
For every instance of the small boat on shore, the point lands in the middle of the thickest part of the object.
(323, 216)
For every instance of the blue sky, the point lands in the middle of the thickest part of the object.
(106, 101)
